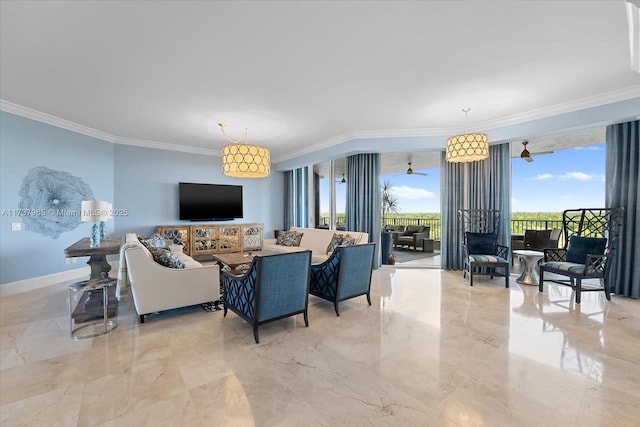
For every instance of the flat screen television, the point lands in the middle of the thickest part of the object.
(209, 202)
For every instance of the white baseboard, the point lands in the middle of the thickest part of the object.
(25, 285)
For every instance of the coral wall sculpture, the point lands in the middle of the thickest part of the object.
(51, 201)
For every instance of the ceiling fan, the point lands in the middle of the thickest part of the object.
(526, 155)
(411, 172)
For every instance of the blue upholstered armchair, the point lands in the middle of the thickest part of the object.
(482, 254)
(591, 239)
(274, 287)
(345, 274)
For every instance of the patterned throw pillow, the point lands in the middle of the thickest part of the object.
(289, 238)
(347, 240)
(157, 241)
(165, 257)
(336, 241)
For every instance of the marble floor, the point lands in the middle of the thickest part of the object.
(430, 351)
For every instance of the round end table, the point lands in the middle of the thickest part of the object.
(530, 259)
(89, 308)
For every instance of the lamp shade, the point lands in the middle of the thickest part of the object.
(246, 161)
(469, 147)
(95, 211)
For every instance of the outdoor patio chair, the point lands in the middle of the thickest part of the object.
(345, 274)
(535, 240)
(412, 236)
(592, 237)
(482, 253)
(274, 287)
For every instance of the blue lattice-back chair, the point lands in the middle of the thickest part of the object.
(483, 255)
(274, 287)
(591, 238)
(345, 274)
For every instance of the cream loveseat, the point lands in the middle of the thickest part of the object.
(315, 239)
(156, 287)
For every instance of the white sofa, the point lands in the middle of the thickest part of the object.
(155, 287)
(314, 239)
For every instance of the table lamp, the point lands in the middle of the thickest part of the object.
(95, 211)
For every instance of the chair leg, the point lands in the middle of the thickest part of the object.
(607, 290)
(369, 297)
(225, 311)
(141, 318)
(470, 276)
(578, 290)
(541, 281)
(255, 334)
(506, 276)
(335, 306)
(306, 319)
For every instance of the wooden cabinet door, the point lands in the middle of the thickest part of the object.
(204, 240)
(252, 236)
(177, 235)
(229, 238)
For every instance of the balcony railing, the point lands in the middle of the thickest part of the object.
(518, 226)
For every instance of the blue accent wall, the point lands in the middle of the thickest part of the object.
(146, 186)
(142, 181)
(25, 144)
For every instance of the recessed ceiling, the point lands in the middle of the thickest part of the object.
(300, 75)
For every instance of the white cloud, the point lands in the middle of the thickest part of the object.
(404, 192)
(589, 148)
(543, 176)
(580, 176)
(577, 176)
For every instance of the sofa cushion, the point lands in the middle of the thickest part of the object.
(165, 257)
(579, 247)
(412, 229)
(336, 240)
(314, 239)
(289, 238)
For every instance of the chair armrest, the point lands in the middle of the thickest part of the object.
(239, 291)
(595, 264)
(503, 251)
(553, 254)
(325, 273)
(395, 235)
(419, 236)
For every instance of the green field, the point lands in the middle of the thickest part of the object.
(431, 215)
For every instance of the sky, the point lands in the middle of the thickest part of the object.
(564, 179)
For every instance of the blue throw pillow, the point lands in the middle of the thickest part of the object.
(481, 243)
(580, 247)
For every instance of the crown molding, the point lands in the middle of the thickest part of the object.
(567, 107)
(38, 116)
(167, 146)
(540, 113)
(563, 108)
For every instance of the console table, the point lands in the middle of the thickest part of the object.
(210, 239)
(98, 256)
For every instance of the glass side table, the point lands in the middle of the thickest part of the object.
(91, 304)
